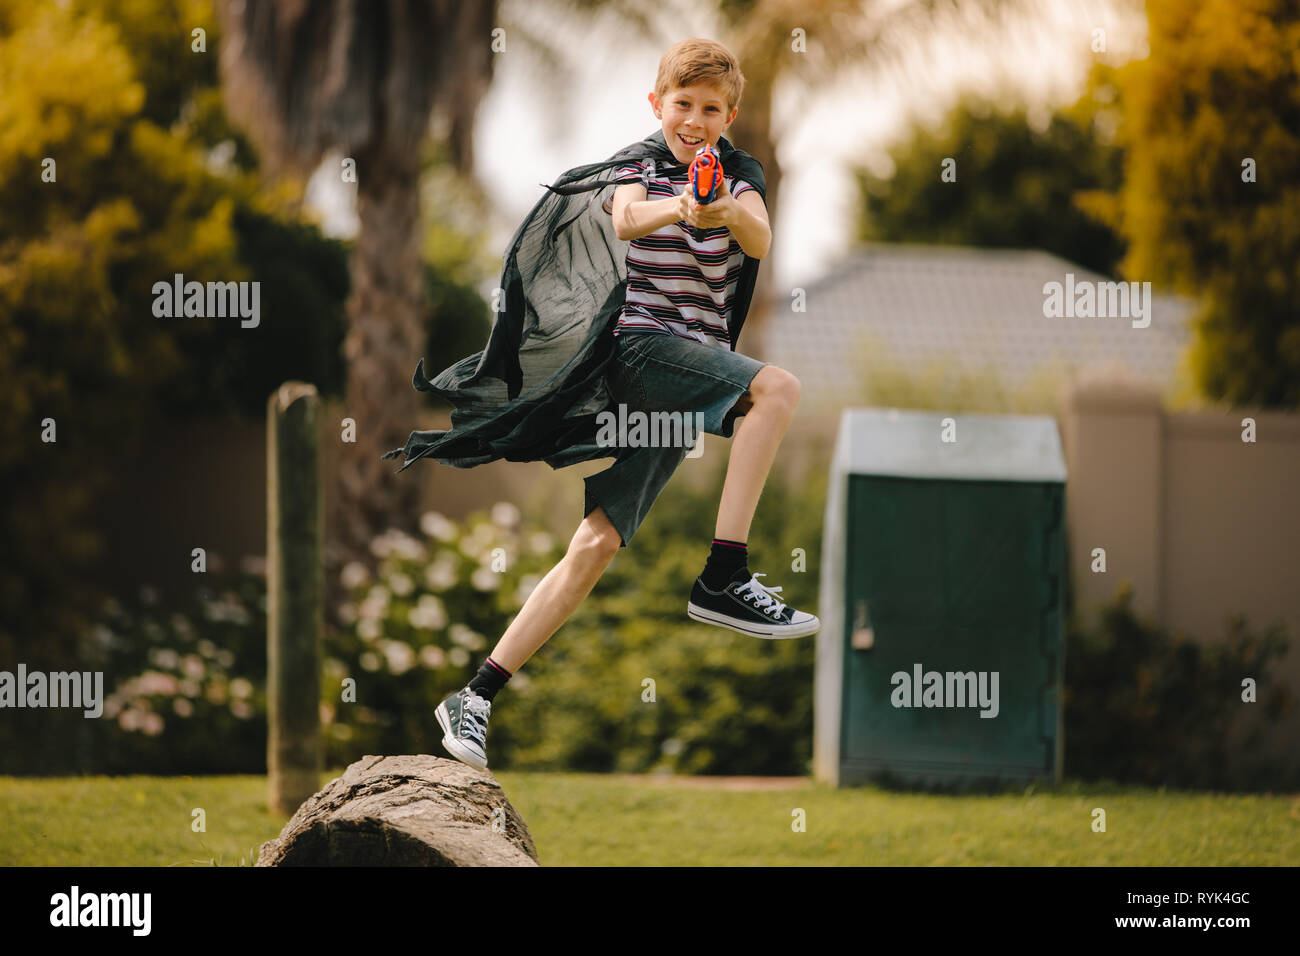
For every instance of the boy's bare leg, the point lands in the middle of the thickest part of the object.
(768, 409)
(559, 593)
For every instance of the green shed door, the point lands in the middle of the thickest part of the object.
(957, 576)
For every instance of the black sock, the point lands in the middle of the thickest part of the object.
(726, 558)
(491, 677)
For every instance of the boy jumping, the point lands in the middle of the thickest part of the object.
(675, 318)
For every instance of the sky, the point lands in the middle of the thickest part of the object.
(536, 121)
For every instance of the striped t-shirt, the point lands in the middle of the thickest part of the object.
(675, 284)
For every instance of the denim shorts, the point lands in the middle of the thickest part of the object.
(662, 372)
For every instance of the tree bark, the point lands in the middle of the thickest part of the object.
(405, 811)
(384, 341)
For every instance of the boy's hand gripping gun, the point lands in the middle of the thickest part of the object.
(705, 175)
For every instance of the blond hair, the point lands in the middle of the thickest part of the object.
(698, 60)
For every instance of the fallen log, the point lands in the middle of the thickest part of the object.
(413, 810)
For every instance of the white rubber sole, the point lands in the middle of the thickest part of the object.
(771, 632)
(454, 746)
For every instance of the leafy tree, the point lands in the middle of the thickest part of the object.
(145, 178)
(1210, 202)
(97, 202)
(1015, 186)
(309, 77)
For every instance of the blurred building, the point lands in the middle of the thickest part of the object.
(978, 311)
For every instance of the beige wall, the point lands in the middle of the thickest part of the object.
(1203, 524)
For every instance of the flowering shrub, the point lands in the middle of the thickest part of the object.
(417, 628)
(185, 688)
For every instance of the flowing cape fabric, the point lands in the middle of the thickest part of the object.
(534, 391)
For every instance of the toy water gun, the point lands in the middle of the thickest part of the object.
(705, 175)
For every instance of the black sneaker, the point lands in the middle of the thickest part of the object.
(464, 717)
(746, 606)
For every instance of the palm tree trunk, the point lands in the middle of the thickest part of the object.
(383, 343)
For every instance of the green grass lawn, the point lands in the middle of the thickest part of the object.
(593, 819)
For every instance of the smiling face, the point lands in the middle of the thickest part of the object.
(697, 112)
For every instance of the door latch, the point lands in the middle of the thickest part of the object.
(863, 638)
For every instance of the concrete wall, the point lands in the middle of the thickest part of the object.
(1202, 523)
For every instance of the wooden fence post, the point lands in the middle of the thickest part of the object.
(294, 587)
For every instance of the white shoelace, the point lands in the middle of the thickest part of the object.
(762, 595)
(475, 717)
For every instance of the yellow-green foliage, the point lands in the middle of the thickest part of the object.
(131, 201)
(1222, 85)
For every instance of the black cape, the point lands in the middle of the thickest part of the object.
(535, 390)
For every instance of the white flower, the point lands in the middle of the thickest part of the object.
(182, 707)
(368, 629)
(476, 542)
(163, 657)
(672, 746)
(216, 692)
(153, 724)
(505, 514)
(400, 656)
(227, 608)
(441, 574)
(241, 688)
(485, 579)
(190, 688)
(467, 637)
(370, 661)
(154, 682)
(375, 604)
(458, 656)
(432, 656)
(401, 584)
(241, 709)
(192, 665)
(225, 658)
(354, 573)
(540, 542)
(348, 612)
(207, 648)
(382, 546)
(129, 719)
(436, 525)
(408, 547)
(428, 614)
